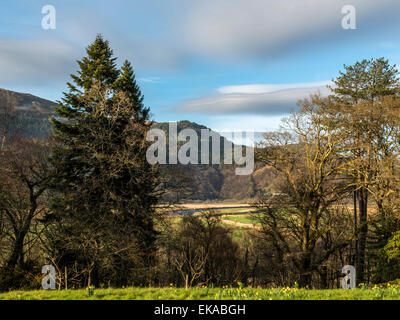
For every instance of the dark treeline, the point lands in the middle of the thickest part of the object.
(86, 200)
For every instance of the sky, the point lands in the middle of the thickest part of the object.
(226, 64)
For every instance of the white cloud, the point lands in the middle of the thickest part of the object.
(183, 30)
(150, 80)
(227, 125)
(39, 61)
(266, 99)
(173, 36)
(263, 28)
(269, 88)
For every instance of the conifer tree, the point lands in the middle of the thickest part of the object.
(127, 83)
(141, 189)
(360, 90)
(105, 188)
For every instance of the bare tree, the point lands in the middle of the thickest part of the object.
(24, 177)
(306, 157)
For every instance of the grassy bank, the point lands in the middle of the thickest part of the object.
(377, 293)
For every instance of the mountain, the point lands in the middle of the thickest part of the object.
(219, 182)
(30, 115)
(26, 112)
(26, 103)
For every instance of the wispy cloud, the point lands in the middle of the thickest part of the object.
(150, 80)
(171, 37)
(39, 61)
(192, 41)
(245, 29)
(266, 99)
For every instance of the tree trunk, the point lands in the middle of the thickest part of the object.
(66, 278)
(323, 273)
(355, 253)
(305, 272)
(17, 252)
(363, 230)
(16, 256)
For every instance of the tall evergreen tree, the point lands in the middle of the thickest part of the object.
(105, 189)
(140, 195)
(127, 83)
(368, 82)
(365, 81)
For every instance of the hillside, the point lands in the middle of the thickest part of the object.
(26, 103)
(219, 182)
(30, 115)
(27, 113)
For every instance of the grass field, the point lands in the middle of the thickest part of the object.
(377, 293)
(242, 218)
(204, 205)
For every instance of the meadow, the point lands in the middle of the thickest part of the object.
(242, 218)
(387, 292)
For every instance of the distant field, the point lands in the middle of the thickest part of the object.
(391, 293)
(218, 208)
(213, 205)
(241, 218)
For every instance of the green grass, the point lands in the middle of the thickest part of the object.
(238, 234)
(235, 210)
(390, 293)
(242, 218)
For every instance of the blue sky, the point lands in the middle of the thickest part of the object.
(227, 64)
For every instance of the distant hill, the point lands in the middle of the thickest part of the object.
(27, 103)
(186, 124)
(220, 182)
(208, 182)
(30, 114)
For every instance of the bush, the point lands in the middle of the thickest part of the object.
(20, 278)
